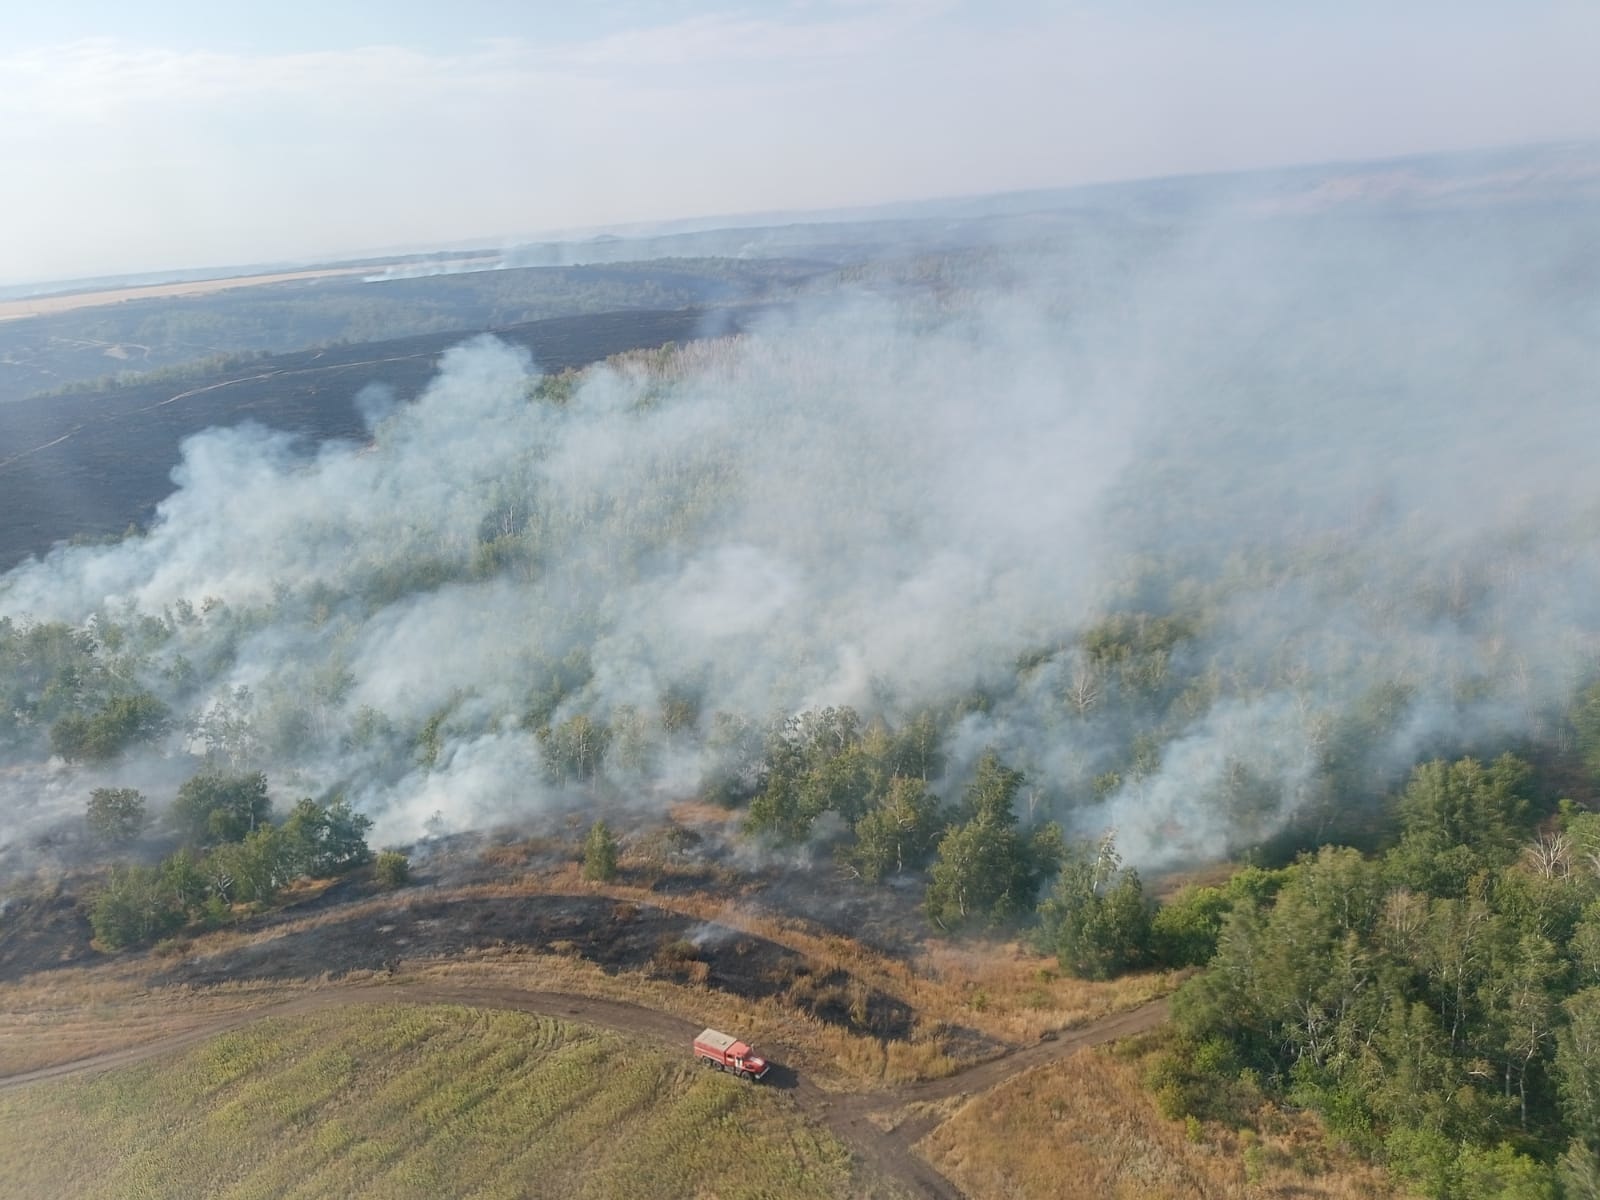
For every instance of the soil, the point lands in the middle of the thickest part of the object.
(40, 932)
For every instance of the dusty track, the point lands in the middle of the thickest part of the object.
(849, 1117)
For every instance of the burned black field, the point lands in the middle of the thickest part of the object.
(90, 466)
(618, 936)
(352, 928)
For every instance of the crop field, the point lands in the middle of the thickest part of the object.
(407, 1101)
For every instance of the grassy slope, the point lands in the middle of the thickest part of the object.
(424, 1102)
(1085, 1129)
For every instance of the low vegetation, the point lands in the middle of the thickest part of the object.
(415, 1102)
(1086, 1129)
(233, 853)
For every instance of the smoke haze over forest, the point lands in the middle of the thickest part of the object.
(1319, 469)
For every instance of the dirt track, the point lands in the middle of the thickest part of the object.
(849, 1117)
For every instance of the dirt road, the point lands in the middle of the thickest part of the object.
(890, 1154)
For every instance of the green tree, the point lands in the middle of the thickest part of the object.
(778, 812)
(632, 749)
(116, 815)
(898, 835)
(987, 871)
(1500, 1174)
(600, 854)
(916, 751)
(1095, 919)
(1584, 947)
(326, 840)
(991, 796)
(104, 734)
(1295, 984)
(1586, 723)
(184, 880)
(817, 762)
(1577, 1066)
(1183, 931)
(1460, 942)
(253, 868)
(1524, 1008)
(1459, 819)
(1578, 1173)
(133, 908)
(213, 808)
(574, 749)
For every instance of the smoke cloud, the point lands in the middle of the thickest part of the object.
(1339, 454)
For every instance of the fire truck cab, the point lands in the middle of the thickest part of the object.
(728, 1053)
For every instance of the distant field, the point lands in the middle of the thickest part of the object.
(39, 306)
(420, 1102)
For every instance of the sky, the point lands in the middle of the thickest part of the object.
(161, 134)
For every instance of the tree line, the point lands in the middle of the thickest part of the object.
(232, 852)
(1437, 1004)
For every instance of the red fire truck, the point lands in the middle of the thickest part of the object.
(729, 1054)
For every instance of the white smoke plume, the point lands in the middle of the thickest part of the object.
(1353, 451)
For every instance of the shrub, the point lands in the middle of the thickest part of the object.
(600, 854)
(392, 869)
(116, 815)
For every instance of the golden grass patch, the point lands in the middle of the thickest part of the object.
(1085, 1128)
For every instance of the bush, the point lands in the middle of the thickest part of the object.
(103, 735)
(600, 854)
(213, 808)
(133, 908)
(115, 815)
(1184, 931)
(392, 869)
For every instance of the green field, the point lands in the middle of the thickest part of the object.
(420, 1102)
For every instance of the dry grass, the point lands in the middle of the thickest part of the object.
(61, 1016)
(415, 1102)
(828, 1055)
(1002, 990)
(1086, 1128)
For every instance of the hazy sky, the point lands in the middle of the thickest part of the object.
(162, 133)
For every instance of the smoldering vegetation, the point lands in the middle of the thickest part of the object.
(1211, 528)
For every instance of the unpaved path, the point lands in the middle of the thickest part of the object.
(890, 1154)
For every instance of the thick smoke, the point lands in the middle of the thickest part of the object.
(1351, 454)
